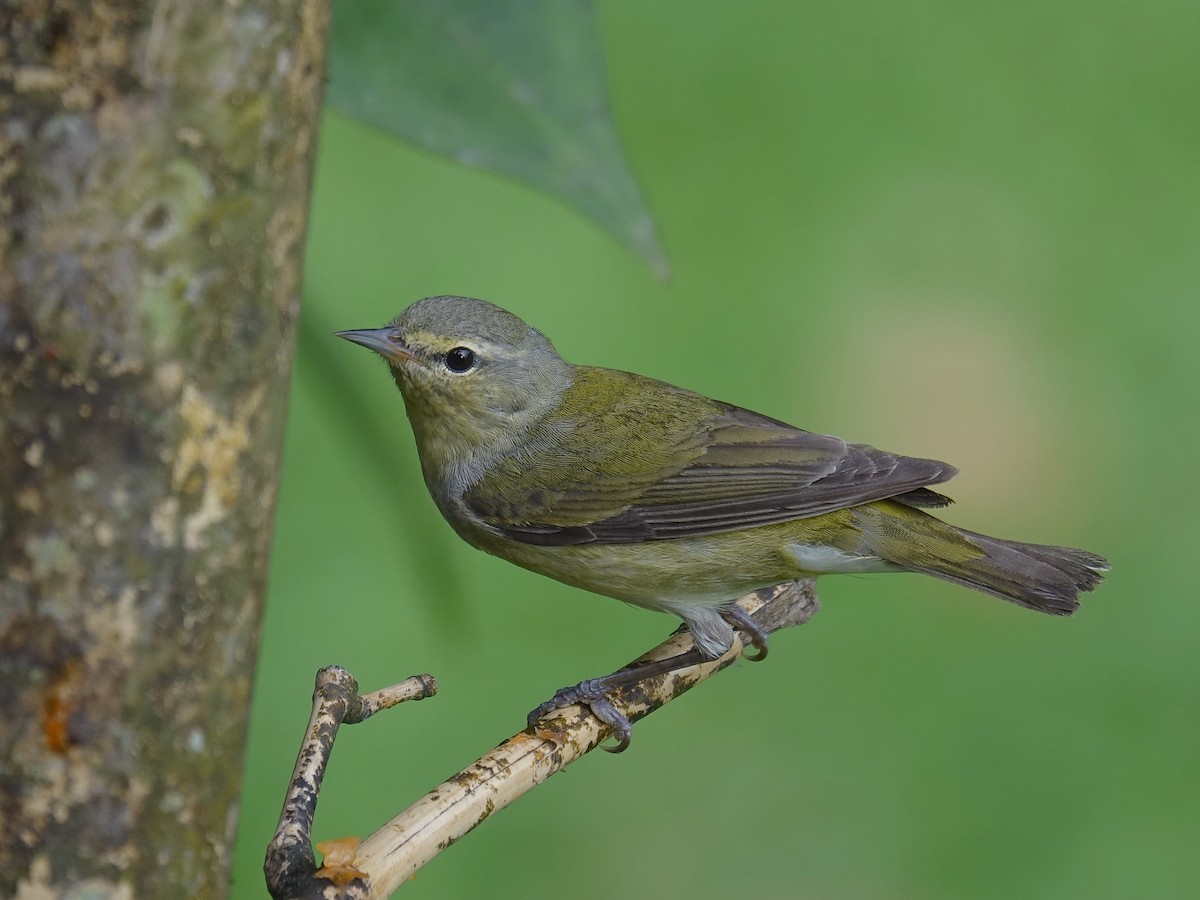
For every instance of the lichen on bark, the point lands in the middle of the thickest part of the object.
(155, 162)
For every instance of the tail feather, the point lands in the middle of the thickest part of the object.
(1037, 576)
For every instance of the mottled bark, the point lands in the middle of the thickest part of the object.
(155, 161)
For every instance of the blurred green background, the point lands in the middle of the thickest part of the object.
(964, 231)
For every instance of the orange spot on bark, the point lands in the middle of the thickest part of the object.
(338, 855)
(57, 703)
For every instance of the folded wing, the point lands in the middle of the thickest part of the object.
(725, 469)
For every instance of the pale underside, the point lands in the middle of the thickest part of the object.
(693, 578)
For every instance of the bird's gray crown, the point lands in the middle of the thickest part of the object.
(469, 318)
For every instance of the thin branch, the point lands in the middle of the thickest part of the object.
(395, 852)
(290, 865)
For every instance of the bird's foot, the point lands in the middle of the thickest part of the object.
(756, 635)
(592, 694)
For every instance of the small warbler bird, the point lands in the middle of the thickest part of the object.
(633, 488)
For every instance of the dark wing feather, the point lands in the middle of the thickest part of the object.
(751, 470)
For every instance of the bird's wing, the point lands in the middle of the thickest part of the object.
(635, 473)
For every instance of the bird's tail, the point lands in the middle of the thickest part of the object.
(1036, 576)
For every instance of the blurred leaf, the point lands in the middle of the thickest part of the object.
(515, 87)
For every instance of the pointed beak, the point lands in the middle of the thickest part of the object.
(384, 341)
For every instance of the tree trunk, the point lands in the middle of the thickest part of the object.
(155, 163)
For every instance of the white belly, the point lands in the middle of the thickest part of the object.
(822, 560)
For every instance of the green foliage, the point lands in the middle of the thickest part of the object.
(517, 88)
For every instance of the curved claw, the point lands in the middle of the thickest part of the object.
(591, 694)
(741, 620)
(759, 654)
(759, 643)
(622, 729)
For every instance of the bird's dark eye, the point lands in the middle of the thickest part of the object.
(460, 359)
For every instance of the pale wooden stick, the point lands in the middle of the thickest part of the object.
(379, 865)
(290, 865)
(395, 852)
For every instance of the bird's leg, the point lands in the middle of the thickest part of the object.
(740, 620)
(593, 693)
